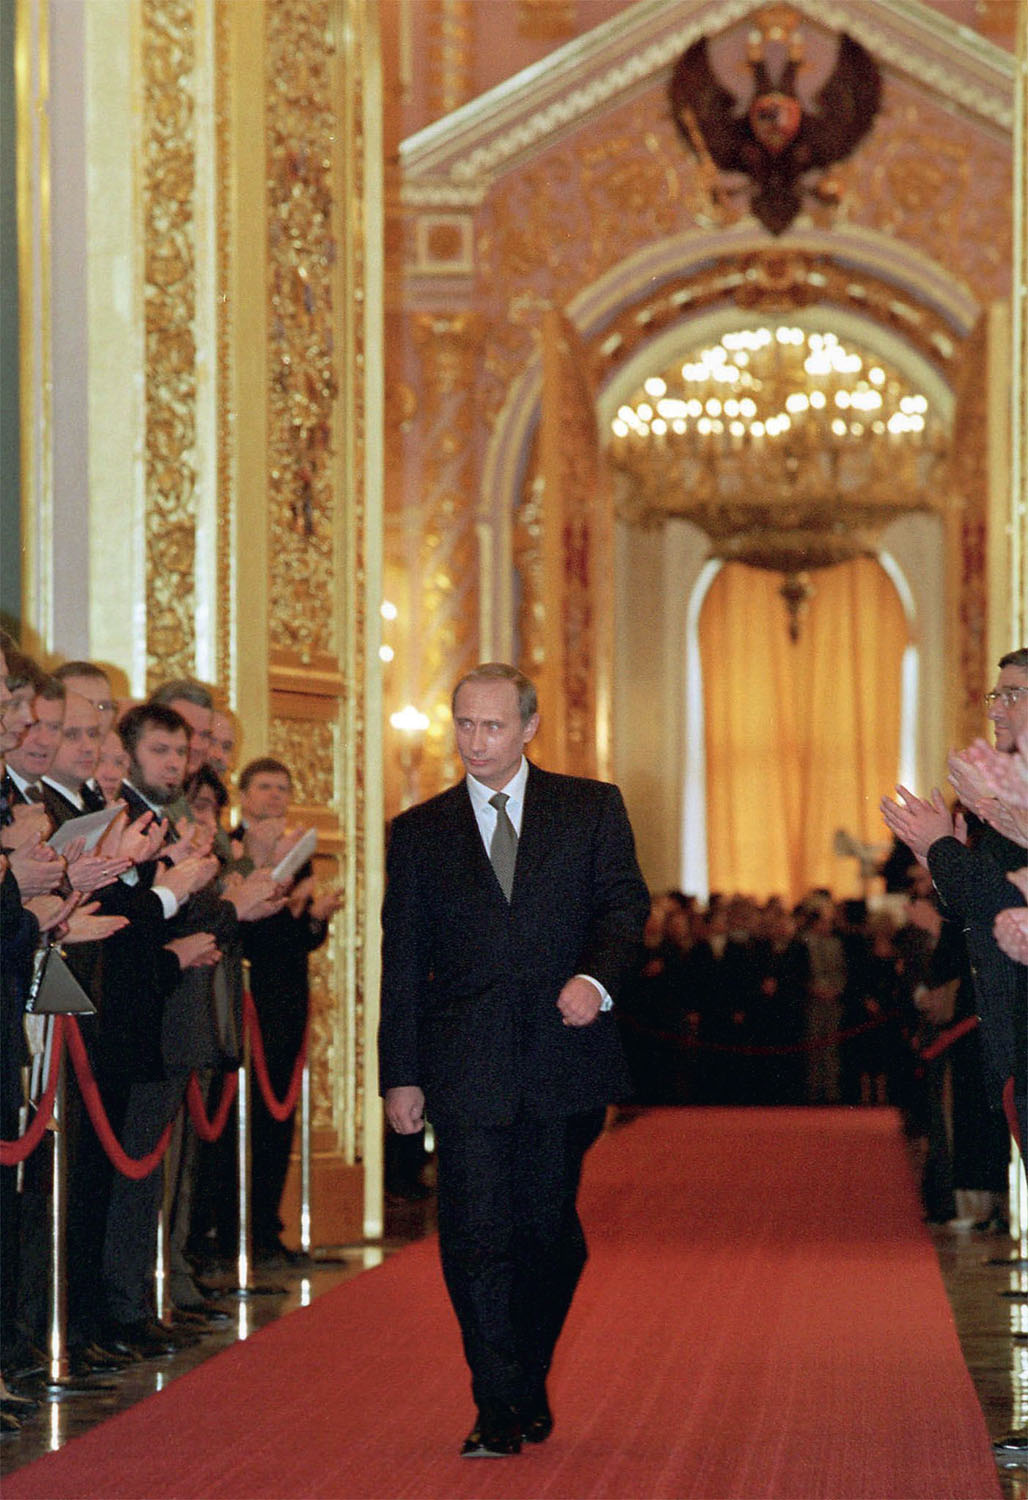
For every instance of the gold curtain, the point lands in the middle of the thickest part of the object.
(802, 738)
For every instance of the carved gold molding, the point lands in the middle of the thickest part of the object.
(1018, 572)
(460, 160)
(321, 557)
(225, 656)
(442, 598)
(450, 55)
(302, 374)
(168, 191)
(547, 20)
(35, 305)
(303, 196)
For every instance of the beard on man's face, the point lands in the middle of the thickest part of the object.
(160, 796)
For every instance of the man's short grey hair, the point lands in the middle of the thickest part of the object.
(501, 671)
(183, 690)
(1018, 658)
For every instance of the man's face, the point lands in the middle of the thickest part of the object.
(158, 768)
(79, 747)
(112, 766)
(97, 691)
(267, 796)
(33, 756)
(205, 808)
(1009, 721)
(199, 720)
(221, 753)
(490, 734)
(17, 712)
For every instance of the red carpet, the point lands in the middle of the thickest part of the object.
(762, 1316)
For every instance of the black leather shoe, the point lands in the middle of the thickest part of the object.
(98, 1360)
(536, 1419)
(274, 1253)
(144, 1340)
(496, 1434)
(185, 1317)
(204, 1311)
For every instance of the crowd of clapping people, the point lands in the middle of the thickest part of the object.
(916, 998)
(154, 915)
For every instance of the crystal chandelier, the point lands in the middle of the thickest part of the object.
(791, 449)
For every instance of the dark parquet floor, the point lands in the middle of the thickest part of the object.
(988, 1291)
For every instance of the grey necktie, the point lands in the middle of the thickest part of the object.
(503, 850)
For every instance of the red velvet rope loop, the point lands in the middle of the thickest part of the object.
(1010, 1110)
(134, 1167)
(778, 1049)
(277, 1110)
(946, 1038)
(14, 1152)
(211, 1129)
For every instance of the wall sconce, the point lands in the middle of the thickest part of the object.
(411, 724)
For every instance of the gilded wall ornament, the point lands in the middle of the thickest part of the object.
(169, 289)
(224, 633)
(450, 55)
(777, 140)
(442, 565)
(317, 507)
(303, 383)
(309, 748)
(547, 20)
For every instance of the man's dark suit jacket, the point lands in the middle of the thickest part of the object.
(974, 889)
(470, 983)
(62, 809)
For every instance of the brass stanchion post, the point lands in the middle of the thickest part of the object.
(57, 1345)
(58, 1379)
(305, 1158)
(244, 1252)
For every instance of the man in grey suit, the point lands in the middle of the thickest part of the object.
(513, 913)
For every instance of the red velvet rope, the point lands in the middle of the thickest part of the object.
(66, 1030)
(782, 1049)
(946, 1038)
(1010, 1110)
(135, 1167)
(211, 1129)
(277, 1111)
(14, 1152)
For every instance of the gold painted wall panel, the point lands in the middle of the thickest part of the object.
(169, 280)
(440, 603)
(302, 374)
(318, 570)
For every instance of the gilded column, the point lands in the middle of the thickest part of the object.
(1019, 396)
(322, 562)
(303, 453)
(168, 191)
(443, 601)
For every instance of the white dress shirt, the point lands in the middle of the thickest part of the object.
(169, 901)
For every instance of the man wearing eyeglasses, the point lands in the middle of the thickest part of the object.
(969, 863)
(1008, 701)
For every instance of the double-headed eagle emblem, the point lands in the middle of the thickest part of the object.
(773, 139)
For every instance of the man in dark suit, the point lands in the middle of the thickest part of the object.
(513, 914)
(65, 786)
(968, 864)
